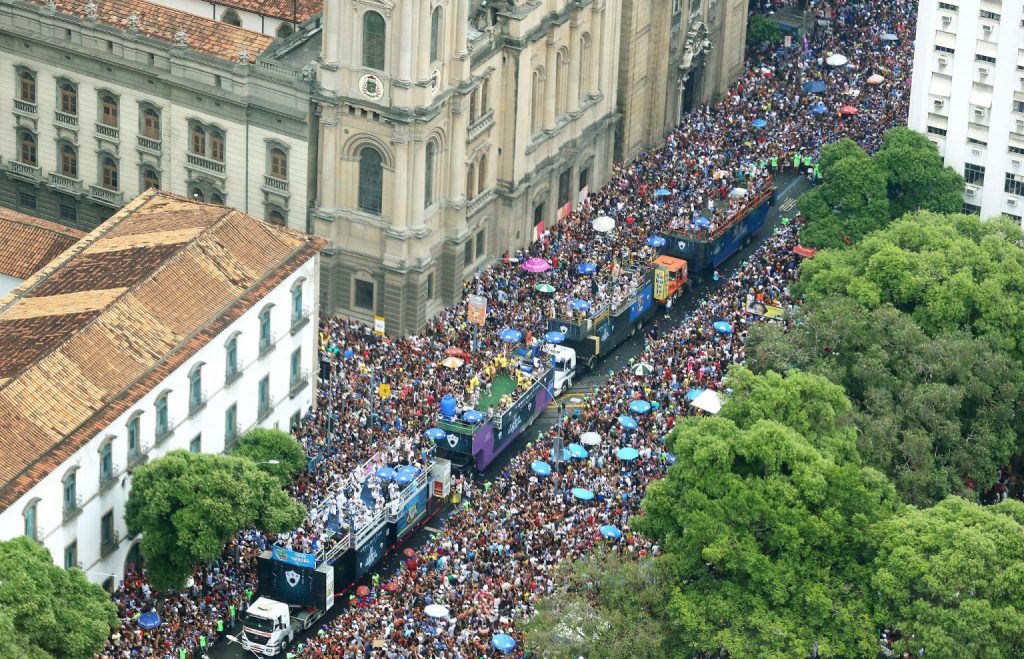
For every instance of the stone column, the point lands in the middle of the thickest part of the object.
(600, 43)
(456, 156)
(574, 66)
(414, 184)
(422, 9)
(329, 158)
(405, 48)
(461, 21)
(550, 90)
(400, 208)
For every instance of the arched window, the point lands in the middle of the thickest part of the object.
(150, 179)
(231, 358)
(482, 173)
(217, 198)
(428, 175)
(198, 141)
(69, 161)
(278, 163)
(198, 195)
(27, 148)
(151, 123)
(231, 18)
(584, 66)
(285, 30)
(562, 82)
(109, 114)
(27, 87)
(163, 422)
(266, 338)
(110, 177)
(134, 438)
(297, 301)
(371, 180)
(471, 181)
(374, 39)
(485, 93)
(70, 483)
(537, 102)
(217, 145)
(31, 529)
(107, 460)
(276, 217)
(195, 388)
(68, 98)
(435, 34)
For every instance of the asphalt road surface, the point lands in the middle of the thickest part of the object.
(790, 188)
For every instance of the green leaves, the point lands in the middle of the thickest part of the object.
(263, 445)
(187, 506)
(762, 31)
(46, 611)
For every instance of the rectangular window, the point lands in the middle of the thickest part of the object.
(538, 214)
(71, 555)
(584, 178)
(71, 491)
(948, 7)
(991, 15)
(937, 131)
(467, 255)
(231, 358)
(263, 397)
(974, 174)
(1016, 218)
(971, 140)
(481, 247)
(945, 49)
(196, 445)
(563, 187)
(107, 528)
(217, 146)
(1014, 184)
(26, 201)
(68, 214)
(984, 58)
(971, 209)
(265, 338)
(161, 416)
(363, 295)
(133, 437)
(1015, 149)
(296, 366)
(231, 422)
(1018, 106)
(430, 286)
(297, 303)
(106, 462)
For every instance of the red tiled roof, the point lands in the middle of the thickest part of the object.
(202, 35)
(28, 243)
(286, 10)
(85, 338)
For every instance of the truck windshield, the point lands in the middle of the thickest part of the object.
(561, 365)
(262, 624)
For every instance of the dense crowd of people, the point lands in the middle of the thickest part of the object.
(495, 556)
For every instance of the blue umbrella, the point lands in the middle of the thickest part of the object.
(579, 305)
(692, 394)
(640, 407)
(611, 532)
(586, 268)
(149, 620)
(540, 468)
(814, 87)
(404, 478)
(758, 123)
(472, 416)
(819, 108)
(509, 335)
(434, 434)
(662, 192)
(577, 451)
(386, 473)
(656, 241)
(671, 458)
(702, 222)
(628, 422)
(627, 453)
(582, 494)
(565, 455)
(722, 327)
(348, 353)
(503, 642)
(554, 337)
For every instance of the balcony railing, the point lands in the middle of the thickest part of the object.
(206, 164)
(267, 345)
(107, 482)
(109, 197)
(299, 383)
(25, 107)
(264, 410)
(298, 321)
(149, 144)
(196, 404)
(479, 201)
(72, 509)
(164, 433)
(112, 132)
(65, 119)
(139, 458)
(39, 534)
(231, 439)
(66, 183)
(480, 126)
(109, 544)
(275, 184)
(23, 170)
(231, 374)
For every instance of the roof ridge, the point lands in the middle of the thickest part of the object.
(41, 224)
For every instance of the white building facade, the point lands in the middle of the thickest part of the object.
(968, 97)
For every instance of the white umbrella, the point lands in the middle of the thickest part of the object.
(875, 79)
(709, 401)
(643, 369)
(603, 224)
(836, 60)
(590, 439)
(436, 611)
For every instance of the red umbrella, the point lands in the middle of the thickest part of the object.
(362, 591)
(393, 586)
(848, 110)
(457, 352)
(408, 552)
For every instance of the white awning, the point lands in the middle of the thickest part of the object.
(938, 121)
(978, 133)
(986, 48)
(940, 86)
(981, 96)
(945, 39)
(709, 401)
(1020, 59)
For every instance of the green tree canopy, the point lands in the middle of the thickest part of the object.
(762, 31)
(46, 611)
(188, 505)
(949, 272)
(769, 540)
(950, 579)
(916, 176)
(930, 411)
(605, 607)
(262, 445)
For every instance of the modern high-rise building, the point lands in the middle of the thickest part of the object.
(968, 97)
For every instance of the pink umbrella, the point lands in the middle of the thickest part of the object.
(536, 264)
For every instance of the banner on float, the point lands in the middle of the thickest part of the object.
(296, 558)
(767, 310)
(476, 309)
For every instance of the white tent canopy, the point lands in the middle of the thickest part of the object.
(709, 401)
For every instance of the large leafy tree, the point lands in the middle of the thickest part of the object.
(46, 611)
(187, 506)
(949, 272)
(950, 580)
(604, 607)
(266, 445)
(762, 32)
(930, 411)
(769, 542)
(916, 176)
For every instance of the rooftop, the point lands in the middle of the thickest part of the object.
(28, 243)
(298, 11)
(86, 337)
(155, 21)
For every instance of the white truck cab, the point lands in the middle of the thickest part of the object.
(564, 360)
(267, 627)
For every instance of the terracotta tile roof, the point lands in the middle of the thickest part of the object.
(86, 337)
(299, 11)
(28, 243)
(203, 35)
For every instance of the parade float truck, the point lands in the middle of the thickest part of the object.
(704, 252)
(593, 334)
(297, 589)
